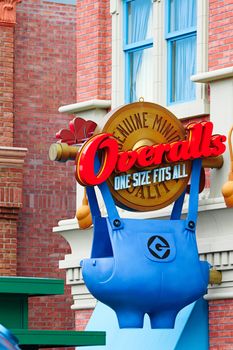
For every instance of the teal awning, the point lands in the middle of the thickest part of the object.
(190, 332)
(14, 294)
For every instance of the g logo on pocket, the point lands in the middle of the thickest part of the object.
(159, 247)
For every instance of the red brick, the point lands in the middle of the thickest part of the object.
(93, 50)
(6, 98)
(220, 34)
(221, 324)
(82, 318)
(44, 79)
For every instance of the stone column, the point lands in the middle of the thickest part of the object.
(7, 23)
(11, 158)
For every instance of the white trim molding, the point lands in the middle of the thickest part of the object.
(85, 106)
(93, 110)
(80, 242)
(215, 243)
(12, 157)
(218, 74)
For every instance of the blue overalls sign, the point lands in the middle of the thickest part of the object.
(143, 266)
(145, 160)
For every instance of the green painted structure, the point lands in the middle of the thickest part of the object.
(14, 294)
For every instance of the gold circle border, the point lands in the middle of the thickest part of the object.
(112, 121)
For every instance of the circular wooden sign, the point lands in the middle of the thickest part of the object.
(139, 124)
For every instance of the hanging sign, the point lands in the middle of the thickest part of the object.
(146, 155)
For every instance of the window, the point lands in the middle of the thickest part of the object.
(138, 45)
(157, 61)
(181, 38)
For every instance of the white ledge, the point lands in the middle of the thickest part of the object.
(204, 205)
(208, 77)
(66, 225)
(12, 156)
(85, 106)
(216, 296)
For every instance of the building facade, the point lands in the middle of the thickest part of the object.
(177, 54)
(37, 72)
(87, 58)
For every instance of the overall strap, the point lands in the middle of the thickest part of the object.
(92, 199)
(193, 197)
(93, 203)
(177, 207)
(113, 215)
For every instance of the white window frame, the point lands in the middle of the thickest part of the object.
(197, 107)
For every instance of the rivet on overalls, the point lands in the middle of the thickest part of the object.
(191, 224)
(117, 223)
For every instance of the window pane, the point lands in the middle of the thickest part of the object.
(183, 14)
(139, 14)
(183, 66)
(141, 75)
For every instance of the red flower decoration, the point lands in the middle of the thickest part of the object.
(80, 130)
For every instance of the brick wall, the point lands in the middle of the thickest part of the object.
(81, 319)
(11, 160)
(220, 56)
(45, 78)
(94, 41)
(6, 85)
(10, 201)
(221, 324)
(93, 50)
(220, 34)
(8, 244)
